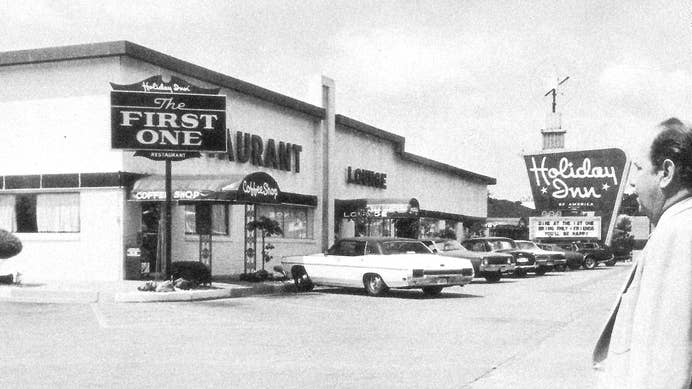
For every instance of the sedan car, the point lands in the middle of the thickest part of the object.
(574, 259)
(378, 264)
(546, 260)
(525, 260)
(492, 266)
(594, 254)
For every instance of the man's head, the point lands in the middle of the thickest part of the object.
(662, 168)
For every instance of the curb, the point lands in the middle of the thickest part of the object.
(21, 295)
(46, 295)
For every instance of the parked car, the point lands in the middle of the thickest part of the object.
(591, 253)
(594, 254)
(378, 264)
(525, 260)
(574, 259)
(491, 266)
(546, 260)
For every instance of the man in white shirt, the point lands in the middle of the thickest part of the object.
(647, 341)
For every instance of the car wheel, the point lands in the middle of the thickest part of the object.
(374, 284)
(540, 271)
(493, 278)
(302, 280)
(610, 263)
(561, 267)
(432, 290)
(589, 262)
(520, 273)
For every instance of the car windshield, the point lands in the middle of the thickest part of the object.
(450, 245)
(403, 247)
(526, 245)
(501, 245)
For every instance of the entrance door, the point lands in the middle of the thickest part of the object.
(151, 215)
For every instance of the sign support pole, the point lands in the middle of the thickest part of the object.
(167, 216)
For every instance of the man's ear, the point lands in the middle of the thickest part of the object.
(667, 174)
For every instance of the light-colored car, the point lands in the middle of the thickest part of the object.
(378, 264)
(492, 266)
(546, 260)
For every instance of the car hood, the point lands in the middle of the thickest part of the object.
(473, 254)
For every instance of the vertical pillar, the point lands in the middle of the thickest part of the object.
(167, 218)
(327, 161)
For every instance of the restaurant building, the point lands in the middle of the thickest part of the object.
(86, 210)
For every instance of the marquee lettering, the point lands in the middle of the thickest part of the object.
(252, 148)
(366, 178)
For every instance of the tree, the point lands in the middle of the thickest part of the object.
(268, 227)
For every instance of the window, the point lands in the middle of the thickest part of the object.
(214, 216)
(294, 221)
(40, 212)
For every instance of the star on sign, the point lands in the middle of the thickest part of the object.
(606, 186)
(544, 190)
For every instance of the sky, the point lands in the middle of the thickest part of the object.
(462, 81)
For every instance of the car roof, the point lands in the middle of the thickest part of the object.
(377, 239)
(490, 238)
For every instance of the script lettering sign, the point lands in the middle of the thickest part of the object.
(587, 181)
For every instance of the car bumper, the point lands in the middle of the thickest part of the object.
(497, 269)
(441, 280)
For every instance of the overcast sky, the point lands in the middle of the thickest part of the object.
(462, 81)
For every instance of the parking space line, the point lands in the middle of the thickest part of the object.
(99, 316)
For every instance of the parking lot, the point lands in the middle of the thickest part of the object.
(533, 332)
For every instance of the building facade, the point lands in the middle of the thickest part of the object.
(80, 207)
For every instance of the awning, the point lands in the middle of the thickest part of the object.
(254, 188)
(209, 188)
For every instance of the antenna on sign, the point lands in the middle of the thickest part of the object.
(554, 92)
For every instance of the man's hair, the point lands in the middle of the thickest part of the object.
(674, 142)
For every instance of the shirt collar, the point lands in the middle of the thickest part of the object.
(676, 208)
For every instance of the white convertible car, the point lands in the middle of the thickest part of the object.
(378, 264)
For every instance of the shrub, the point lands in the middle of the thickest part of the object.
(10, 245)
(194, 271)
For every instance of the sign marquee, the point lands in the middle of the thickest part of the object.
(582, 181)
(165, 116)
(565, 227)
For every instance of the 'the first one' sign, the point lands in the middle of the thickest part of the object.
(167, 117)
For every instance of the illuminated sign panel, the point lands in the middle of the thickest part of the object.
(565, 227)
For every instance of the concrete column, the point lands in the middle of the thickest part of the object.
(328, 169)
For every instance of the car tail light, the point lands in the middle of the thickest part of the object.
(509, 261)
(418, 272)
(485, 261)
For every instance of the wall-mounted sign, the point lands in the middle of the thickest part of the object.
(374, 208)
(181, 195)
(252, 148)
(565, 227)
(585, 181)
(166, 116)
(258, 187)
(366, 178)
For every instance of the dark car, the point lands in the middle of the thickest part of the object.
(588, 254)
(491, 266)
(546, 259)
(525, 260)
(574, 259)
(594, 253)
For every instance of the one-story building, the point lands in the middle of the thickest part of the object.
(81, 206)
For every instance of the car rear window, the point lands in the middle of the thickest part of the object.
(395, 247)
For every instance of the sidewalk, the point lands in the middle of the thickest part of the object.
(85, 292)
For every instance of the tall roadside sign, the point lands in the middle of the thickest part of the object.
(577, 183)
(167, 121)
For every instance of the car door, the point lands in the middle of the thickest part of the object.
(353, 263)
